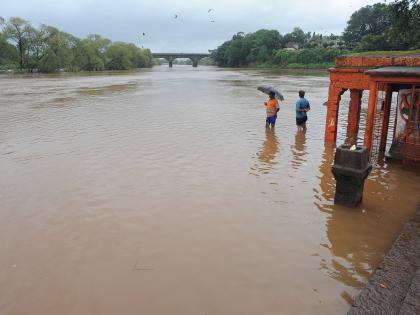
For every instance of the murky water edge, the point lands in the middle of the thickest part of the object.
(161, 192)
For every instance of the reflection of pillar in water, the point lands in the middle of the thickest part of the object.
(327, 182)
(299, 149)
(355, 241)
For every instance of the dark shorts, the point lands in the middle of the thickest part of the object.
(301, 121)
(271, 120)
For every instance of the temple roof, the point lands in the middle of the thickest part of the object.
(395, 71)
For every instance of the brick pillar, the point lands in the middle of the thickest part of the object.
(334, 97)
(354, 115)
(373, 91)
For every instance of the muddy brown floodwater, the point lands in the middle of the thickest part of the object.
(160, 192)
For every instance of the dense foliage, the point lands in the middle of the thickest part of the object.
(269, 47)
(381, 26)
(47, 49)
(310, 58)
(393, 26)
(405, 19)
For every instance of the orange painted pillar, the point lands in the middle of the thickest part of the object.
(385, 122)
(334, 97)
(373, 91)
(354, 114)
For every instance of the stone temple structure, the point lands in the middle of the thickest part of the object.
(381, 77)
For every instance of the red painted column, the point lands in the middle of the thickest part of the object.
(385, 122)
(334, 97)
(354, 115)
(373, 91)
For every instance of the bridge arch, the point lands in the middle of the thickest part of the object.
(172, 56)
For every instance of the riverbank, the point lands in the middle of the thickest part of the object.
(395, 286)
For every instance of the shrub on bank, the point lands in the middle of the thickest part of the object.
(307, 58)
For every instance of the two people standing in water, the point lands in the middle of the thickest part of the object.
(302, 107)
(270, 148)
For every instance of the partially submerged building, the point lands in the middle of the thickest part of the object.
(381, 76)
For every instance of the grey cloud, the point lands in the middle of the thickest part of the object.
(125, 20)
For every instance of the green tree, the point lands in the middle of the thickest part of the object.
(86, 57)
(369, 20)
(8, 54)
(123, 56)
(405, 20)
(297, 36)
(244, 49)
(58, 51)
(374, 42)
(37, 45)
(48, 49)
(100, 43)
(19, 31)
(263, 43)
(219, 54)
(237, 51)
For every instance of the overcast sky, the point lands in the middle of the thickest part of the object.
(192, 31)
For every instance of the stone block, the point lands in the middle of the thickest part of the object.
(350, 169)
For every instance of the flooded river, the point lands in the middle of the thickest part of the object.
(160, 192)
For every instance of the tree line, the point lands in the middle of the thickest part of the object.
(393, 26)
(47, 49)
(270, 47)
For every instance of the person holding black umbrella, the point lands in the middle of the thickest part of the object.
(272, 105)
(272, 108)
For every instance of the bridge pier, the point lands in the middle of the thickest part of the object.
(195, 62)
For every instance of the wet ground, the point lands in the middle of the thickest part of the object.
(161, 192)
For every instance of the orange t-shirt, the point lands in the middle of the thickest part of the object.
(272, 106)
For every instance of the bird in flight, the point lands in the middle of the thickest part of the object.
(175, 16)
(209, 10)
(144, 34)
(212, 21)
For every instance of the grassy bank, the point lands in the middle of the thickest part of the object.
(315, 66)
(386, 53)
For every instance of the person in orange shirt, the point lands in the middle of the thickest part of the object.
(272, 107)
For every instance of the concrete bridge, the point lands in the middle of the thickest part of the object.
(172, 56)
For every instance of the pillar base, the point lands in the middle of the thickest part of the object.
(350, 170)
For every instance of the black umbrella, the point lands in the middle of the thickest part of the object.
(270, 89)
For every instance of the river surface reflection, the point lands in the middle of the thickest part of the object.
(161, 192)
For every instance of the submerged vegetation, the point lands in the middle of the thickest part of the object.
(47, 49)
(381, 26)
